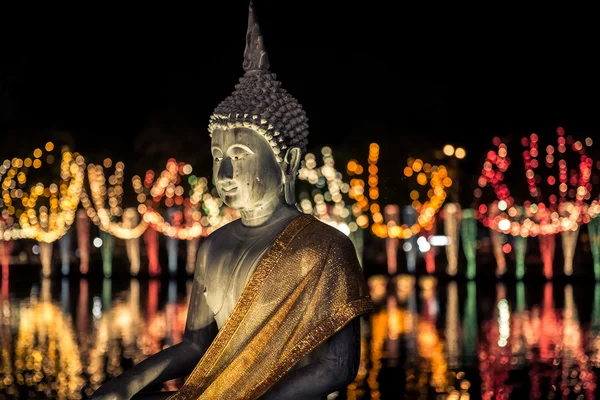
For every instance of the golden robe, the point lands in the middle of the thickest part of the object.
(306, 288)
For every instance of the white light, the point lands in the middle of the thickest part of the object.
(439, 240)
(425, 247)
(502, 205)
(421, 240)
(35, 249)
(344, 228)
(97, 307)
(504, 225)
(407, 246)
(97, 242)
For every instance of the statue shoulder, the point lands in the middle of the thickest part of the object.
(337, 239)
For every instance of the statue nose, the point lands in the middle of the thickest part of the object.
(226, 169)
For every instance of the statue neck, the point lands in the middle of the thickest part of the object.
(268, 211)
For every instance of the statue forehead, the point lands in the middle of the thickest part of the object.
(246, 136)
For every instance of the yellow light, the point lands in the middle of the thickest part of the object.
(352, 165)
(374, 193)
(447, 182)
(408, 171)
(460, 153)
(375, 208)
(49, 146)
(422, 179)
(28, 162)
(414, 195)
(37, 153)
(37, 163)
(448, 150)
(417, 165)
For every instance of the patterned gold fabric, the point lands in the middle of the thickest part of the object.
(307, 287)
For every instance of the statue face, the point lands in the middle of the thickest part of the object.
(245, 170)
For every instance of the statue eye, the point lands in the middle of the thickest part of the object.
(218, 159)
(238, 157)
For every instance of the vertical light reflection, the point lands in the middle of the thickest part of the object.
(151, 241)
(547, 247)
(47, 357)
(430, 254)
(452, 217)
(594, 232)
(452, 326)
(434, 367)
(172, 244)
(6, 247)
(494, 351)
(520, 327)
(392, 218)
(46, 258)
(569, 244)
(379, 328)
(470, 326)
(410, 246)
(594, 340)
(468, 233)
(65, 296)
(520, 252)
(107, 250)
(131, 220)
(65, 252)
(497, 242)
(577, 375)
(83, 241)
(83, 316)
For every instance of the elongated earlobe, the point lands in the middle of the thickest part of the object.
(291, 163)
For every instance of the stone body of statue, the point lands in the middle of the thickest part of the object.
(276, 294)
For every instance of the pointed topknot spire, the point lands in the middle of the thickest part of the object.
(255, 55)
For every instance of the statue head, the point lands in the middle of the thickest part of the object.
(259, 134)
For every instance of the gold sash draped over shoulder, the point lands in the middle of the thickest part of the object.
(306, 288)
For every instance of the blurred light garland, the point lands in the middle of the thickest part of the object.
(47, 224)
(426, 174)
(329, 187)
(96, 208)
(566, 211)
(190, 223)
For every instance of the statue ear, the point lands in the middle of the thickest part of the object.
(292, 161)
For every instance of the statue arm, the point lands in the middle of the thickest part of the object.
(335, 366)
(178, 360)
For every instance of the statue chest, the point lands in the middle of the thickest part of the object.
(228, 272)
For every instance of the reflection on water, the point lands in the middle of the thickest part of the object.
(426, 339)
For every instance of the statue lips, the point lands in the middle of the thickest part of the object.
(229, 188)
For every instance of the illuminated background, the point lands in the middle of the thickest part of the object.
(385, 90)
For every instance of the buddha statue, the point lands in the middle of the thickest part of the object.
(277, 294)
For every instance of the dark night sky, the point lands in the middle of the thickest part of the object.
(410, 79)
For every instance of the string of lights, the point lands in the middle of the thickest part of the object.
(96, 207)
(326, 200)
(566, 210)
(189, 223)
(48, 223)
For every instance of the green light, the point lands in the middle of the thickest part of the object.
(469, 239)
